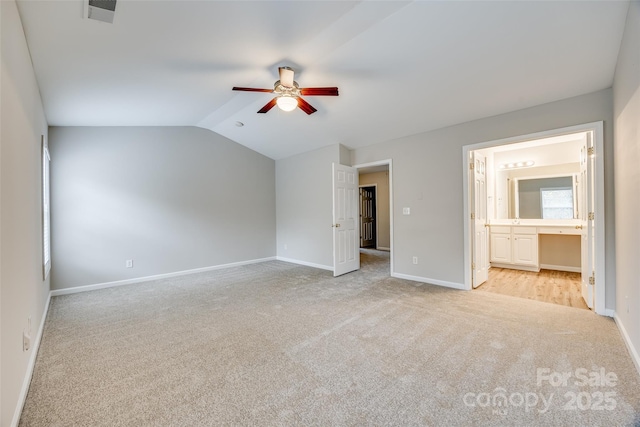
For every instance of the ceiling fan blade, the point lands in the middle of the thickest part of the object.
(252, 89)
(268, 106)
(305, 106)
(319, 91)
(286, 76)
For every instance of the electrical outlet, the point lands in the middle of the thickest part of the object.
(129, 263)
(406, 211)
(26, 341)
(415, 259)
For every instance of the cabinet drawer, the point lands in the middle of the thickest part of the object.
(500, 229)
(559, 230)
(525, 230)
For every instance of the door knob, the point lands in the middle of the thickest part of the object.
(336, 225)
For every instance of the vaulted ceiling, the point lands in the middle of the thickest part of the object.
(402, 67)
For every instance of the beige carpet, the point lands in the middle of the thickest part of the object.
(276, 344)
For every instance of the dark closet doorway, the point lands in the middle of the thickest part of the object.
(368, 217)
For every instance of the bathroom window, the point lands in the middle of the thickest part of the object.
(557, 203)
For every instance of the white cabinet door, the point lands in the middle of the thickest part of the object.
(525, 249)
(500, 247)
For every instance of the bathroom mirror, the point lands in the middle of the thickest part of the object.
(551, 198)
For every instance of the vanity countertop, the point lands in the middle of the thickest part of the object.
(536, 222)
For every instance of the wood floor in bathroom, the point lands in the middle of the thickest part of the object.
(557, 287)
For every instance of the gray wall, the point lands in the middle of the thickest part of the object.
(304, 192)
(169, 198)
(345, 155)
(626, 94)
(559, 250)
(23, 293)
(381, 179)
(427, 177)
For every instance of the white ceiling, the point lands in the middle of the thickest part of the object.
(402, 67)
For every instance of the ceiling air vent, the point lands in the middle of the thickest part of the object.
(100, 10)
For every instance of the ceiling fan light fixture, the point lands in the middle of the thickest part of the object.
(287, 103)
(288, 95)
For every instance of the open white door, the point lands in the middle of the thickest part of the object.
(478, 189)
(586, 209)
(346, 252)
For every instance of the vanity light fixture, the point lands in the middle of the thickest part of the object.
(516, 165)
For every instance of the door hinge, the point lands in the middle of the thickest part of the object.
(473, 215)
(473, 266)
(591, 151)
(592, 280)
(470, 166)
(592, 216)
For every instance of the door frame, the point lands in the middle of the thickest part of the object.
(388, 162)
(598, 132)
(375, 191)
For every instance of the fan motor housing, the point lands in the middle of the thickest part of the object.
(280, 89)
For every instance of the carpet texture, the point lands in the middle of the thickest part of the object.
(277, 344)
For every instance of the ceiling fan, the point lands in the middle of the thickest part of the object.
(288, 93)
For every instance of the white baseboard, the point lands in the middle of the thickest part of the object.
(86, 288)
(382, 248)
(305, 263)
(609, 312)
(35, 345)
(444, 283)
(627, 340)
(561, 268)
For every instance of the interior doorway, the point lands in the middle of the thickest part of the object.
(376, 185)
(539, 206)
